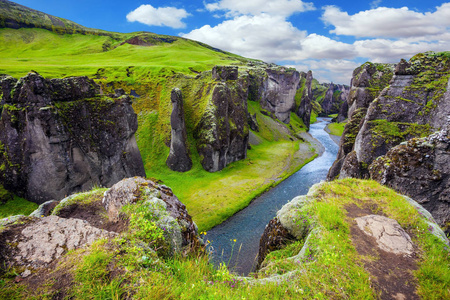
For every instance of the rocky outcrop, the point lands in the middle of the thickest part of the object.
(388, 234)
(224, 73)
(38, 242)
(222, 134)
(420, 168)
(334, 98)
(275, 89)
(170, 214)
(179, 159)
(58, 137)
(291, 223)
(415, 104)
(367, 81)
(279, 92)
(32, 243)
(305, 106)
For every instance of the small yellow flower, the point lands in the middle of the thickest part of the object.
(234, 240)
(208, 242)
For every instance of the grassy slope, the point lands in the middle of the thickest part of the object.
(152, 72)
(336, 128)
(332, 270)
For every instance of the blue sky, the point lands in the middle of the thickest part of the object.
(329, 37)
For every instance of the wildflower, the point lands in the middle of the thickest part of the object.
(234, 240)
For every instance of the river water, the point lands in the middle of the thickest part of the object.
(236, 241)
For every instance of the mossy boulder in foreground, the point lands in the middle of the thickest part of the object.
(326, 255)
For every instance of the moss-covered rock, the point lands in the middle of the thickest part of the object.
(58, 137)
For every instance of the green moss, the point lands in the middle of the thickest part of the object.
(11, 205)
(397, 131)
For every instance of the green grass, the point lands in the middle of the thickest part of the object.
(152, 72)
(336, 128)
(313, 118)
(11, 205)
(331, 269)
(54, 55)
(211, 198)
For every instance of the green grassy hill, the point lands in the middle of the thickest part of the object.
(149, 66)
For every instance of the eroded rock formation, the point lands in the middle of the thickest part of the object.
(58, 137)
(179, 159)
(415, 104)
(304, 109)
(222, 134)
(367, 81)
(420, 168)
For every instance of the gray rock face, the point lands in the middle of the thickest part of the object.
(170, 213)
(224, 73)
(390, 236)
(408, 108)
(57, 137)
(304, 109)
(42, 241)
(335, 96)
(420, 168)
(179, 159)
(222, 134)
(279, 92)
(367, 81)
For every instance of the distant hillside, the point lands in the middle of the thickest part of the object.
(13, 15)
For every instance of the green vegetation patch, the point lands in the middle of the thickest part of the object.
(398, 131)
(337, 128)
(11, 205)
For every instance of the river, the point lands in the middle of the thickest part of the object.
(236, 241)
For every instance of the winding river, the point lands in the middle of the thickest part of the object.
(236, 241)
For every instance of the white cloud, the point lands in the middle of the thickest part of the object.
(264, 37)
(375, 3)
(330, 70)
(388, 22)
(255, 7)
(161, 16)
(388, 51)
(319, 46)
(270, 38)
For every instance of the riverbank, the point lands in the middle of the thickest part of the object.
(335, 130)
(211, 198)
(236, 241)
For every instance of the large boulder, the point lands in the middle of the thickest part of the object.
(179, 159)
(59, 137)
(170, 214)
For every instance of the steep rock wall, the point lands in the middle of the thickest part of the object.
(222, 134)
(58, 137)
(305, 106)
(335, 96)
(420, 168)
(414, 105)
(367, 81)
(275, 89)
